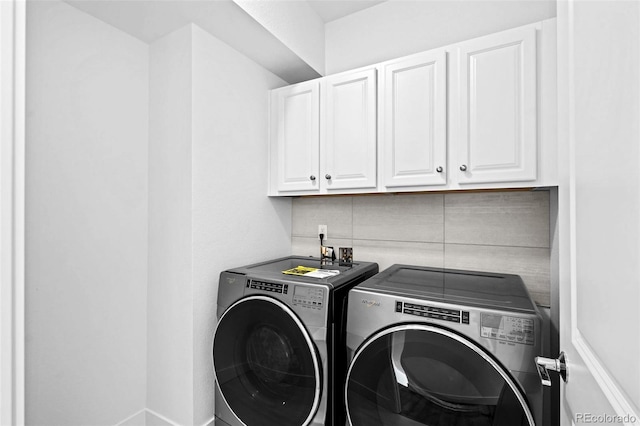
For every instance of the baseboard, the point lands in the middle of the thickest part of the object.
(155, 419)
(146, 417)
(137, 419)
(210, 422)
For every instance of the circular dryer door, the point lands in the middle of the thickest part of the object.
(265, 364)
(411, 375)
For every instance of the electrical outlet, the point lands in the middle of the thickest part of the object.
(322, 229)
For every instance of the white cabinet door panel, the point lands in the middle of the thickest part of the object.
(497, 139)
(413, 120)
(349, 131)
(298, 141)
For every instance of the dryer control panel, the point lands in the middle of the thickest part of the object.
(507, 328)
(308, 296)
(433, 312)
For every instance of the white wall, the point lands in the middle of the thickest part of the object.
(86, 219)
(234, 223)
(170, 292)
(400, 27)
(144, 167)
(208, 206)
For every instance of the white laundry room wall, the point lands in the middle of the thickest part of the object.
(208, 208)
(144, 166)
(170, 293)
(86, 218)
(234, 223)
(397, 28)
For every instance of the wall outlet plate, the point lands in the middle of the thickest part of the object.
(322, 229)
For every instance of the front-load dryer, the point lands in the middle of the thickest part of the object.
(279, 346)
(442, 347)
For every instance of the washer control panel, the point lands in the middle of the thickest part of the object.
(507, 328)
(308, 297)
(268, 287)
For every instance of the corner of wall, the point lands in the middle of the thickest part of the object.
(137, 419)
(170, 265)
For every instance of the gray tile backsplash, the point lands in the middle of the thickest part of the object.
(399, 218)
(532, 264)
(498, 218)
(310, 246)
(506, 231)
(387, 253)
(335, 212)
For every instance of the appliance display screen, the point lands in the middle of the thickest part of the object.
(507, 328)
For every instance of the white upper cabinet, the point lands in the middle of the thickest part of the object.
(323, 136)
(295, 114)
(413, 120)
(479, 114)
(496, 140)
(348, 131)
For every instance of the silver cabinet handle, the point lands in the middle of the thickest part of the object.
(463, 168)
(545, 365)
(312, 177)
(439, 169)
(327, 176)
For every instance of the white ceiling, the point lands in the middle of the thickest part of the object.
(148, 20)
(330, 10)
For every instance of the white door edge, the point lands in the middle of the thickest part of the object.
(12, 193)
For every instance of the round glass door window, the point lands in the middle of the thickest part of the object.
(265, 363)
(412, 375)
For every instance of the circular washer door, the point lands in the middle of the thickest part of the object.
(418, 374)
(265, 364)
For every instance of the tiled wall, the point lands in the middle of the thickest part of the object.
(483, 231)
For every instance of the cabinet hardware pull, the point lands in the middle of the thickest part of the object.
(312, 177)
(327, 176)
(439, 169)
(463, 168)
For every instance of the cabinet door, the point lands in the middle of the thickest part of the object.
(497, 138)
(413, 120)
(349, 131)
(295, 119)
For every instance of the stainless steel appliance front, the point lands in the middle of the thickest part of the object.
(274, 354)
(439, 347)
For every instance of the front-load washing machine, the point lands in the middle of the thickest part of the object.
(279, 346)
(443, 347)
